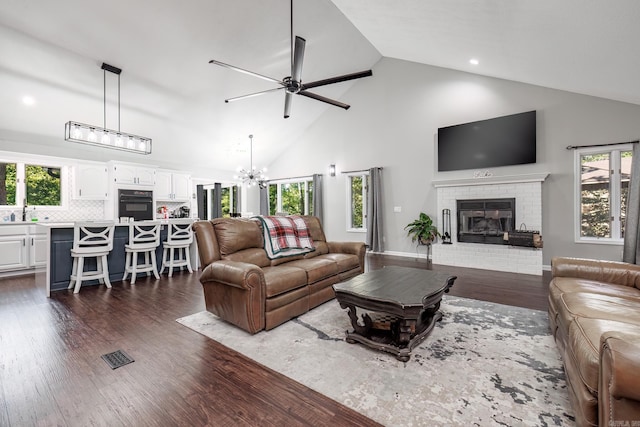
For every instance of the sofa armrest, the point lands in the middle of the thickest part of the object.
(235, 291)
(354, 248)
(618, 273)
(619, 380)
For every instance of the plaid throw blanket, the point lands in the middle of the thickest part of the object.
(285, 236)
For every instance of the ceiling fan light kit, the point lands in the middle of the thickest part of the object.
(103, 137)
(293, 84)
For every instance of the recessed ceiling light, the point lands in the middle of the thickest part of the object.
(28, 100)
(474, 61)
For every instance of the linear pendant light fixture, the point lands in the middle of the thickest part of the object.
(103, 137)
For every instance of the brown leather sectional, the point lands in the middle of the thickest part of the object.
(594, 313)
(244, 287)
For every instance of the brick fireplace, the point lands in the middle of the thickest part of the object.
(525, 190)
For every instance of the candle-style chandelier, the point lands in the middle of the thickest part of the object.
(252, 176)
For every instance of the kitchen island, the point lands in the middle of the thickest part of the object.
(58, 244)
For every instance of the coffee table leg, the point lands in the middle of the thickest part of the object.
(405, 328)
(357, 328)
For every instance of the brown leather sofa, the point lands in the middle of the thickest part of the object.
(244, 287)
(594, 313)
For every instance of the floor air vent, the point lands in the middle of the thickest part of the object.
(117, 359)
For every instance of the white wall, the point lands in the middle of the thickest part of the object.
(393, 123)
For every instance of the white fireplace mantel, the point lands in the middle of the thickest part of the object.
(504, 179)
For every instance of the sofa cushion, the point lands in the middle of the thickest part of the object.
(597, 306)
(235, 234)
(283, 279)
(315, 268)
(345, 262)
(321, 249)
(315, 228)
(255, 256)
(561, 285)
(584, 346)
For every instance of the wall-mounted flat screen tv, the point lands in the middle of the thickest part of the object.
(502, 141)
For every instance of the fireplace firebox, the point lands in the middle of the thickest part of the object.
(485, 220)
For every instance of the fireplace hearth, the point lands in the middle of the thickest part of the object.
(485, 220)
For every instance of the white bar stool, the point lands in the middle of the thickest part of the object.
(91, 240)
(179, 238)
(144, 238)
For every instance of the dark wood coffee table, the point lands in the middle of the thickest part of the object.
(402, 307)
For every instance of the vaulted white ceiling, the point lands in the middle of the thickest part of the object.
(52, 50)
(583, 46)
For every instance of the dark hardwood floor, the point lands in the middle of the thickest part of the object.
(51, 372)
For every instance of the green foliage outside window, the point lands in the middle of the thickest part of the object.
(356, 202)
(43, 185)
(597, 210)
(8, 184)
(296, 198)
(226, 202)
(292, 198)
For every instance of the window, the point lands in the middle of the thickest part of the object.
(35, 185)
(357, 201)
(293, 197)
(228, 199)
(602, 186)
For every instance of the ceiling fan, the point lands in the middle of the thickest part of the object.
(293, 85)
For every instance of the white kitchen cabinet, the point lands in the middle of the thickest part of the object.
(37, 244)
(91, 182)
(133, 174)
(13, 247)
(172, 186)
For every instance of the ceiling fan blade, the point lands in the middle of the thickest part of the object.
(324, 99)
(337, 79)
(242, 70)
(237, 98)
(287, 104)
(298, 57)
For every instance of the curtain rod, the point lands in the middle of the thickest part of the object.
(291, 177)
(573, 147)
(362, 170)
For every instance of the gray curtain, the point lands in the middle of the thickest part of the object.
(237, 199)
(374, 211)
(216, 205)
(631, 251)
(318, 207)
(264, 201)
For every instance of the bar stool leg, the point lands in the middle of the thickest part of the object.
(127, 265)
(74, 273)
(187, 256)
(164, 260)
(105, 271)
(154, 264)
(172, 256)
(79, 275)
(134, 269)
(99, 270)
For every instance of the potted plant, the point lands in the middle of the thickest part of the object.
(422, 230)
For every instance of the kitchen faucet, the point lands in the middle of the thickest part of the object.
(24, 210)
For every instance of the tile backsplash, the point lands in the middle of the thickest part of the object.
(92, 210)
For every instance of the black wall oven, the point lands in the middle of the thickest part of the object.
(136, 204)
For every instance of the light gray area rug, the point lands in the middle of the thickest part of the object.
(484, 364)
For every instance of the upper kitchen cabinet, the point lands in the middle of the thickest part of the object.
(90, 181)
(172, 186)
(132, 174)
